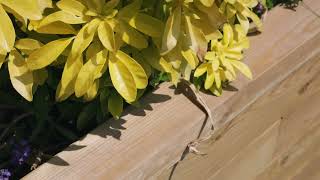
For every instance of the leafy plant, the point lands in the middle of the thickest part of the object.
(116, 45)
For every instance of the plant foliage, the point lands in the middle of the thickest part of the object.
(116, 45)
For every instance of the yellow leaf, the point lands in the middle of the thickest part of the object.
(63, 17)
(122, 80)
(227, 64)
(2, 58)
(95, 5)
(48, 53)
(248, 13)
(209, 79)
(75, 60)
(215, 64)
(139, 76)
(172, 31)
(86, 75)
(109, 6)
(215, 18)
(174, 74)
(115, 105)
(201, 70)
(7, 32)
(191, 58)
(106, 36)
(93, 49)
(26, 8)
(72, 6)
(147, 24)
(21, 78)
(196, 40)
(216, 91)
(28, 45)
(217, 78)
(132, 37)
(127, 12)
(227, 34)
(243, 68)
(207, 3)
(19, 66)
(211, 56)
(92, 92)
(244, 22)
(236, 55)
(57, 27)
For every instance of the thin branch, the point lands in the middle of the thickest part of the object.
(15, 121)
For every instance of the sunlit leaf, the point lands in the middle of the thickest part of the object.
(7, 33)
(72, 6)
(106, 36)
(137, 72)
(86, 75)
(26, 8)
(172, 31)
(132, 36)
(21, 78)
(28, 45)
(147, 24)
(122, 79)
(243, 68)
(48, 53)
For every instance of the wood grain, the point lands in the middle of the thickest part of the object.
(144, 143)
(293, 103)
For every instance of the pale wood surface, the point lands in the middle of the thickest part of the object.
(145, 142)
(294, 103)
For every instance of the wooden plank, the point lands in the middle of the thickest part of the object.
(293, 163)
(294, 102)
(145, 142)
(310, 171)
(253, 159)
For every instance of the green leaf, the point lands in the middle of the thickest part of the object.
(85, 117)
(115, 105)
(130, 10)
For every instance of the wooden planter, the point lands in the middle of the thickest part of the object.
(267, 128)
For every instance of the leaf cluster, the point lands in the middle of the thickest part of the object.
(110, 49)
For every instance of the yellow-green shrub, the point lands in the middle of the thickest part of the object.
(123, 41)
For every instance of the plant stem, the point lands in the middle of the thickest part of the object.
(15, 121)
